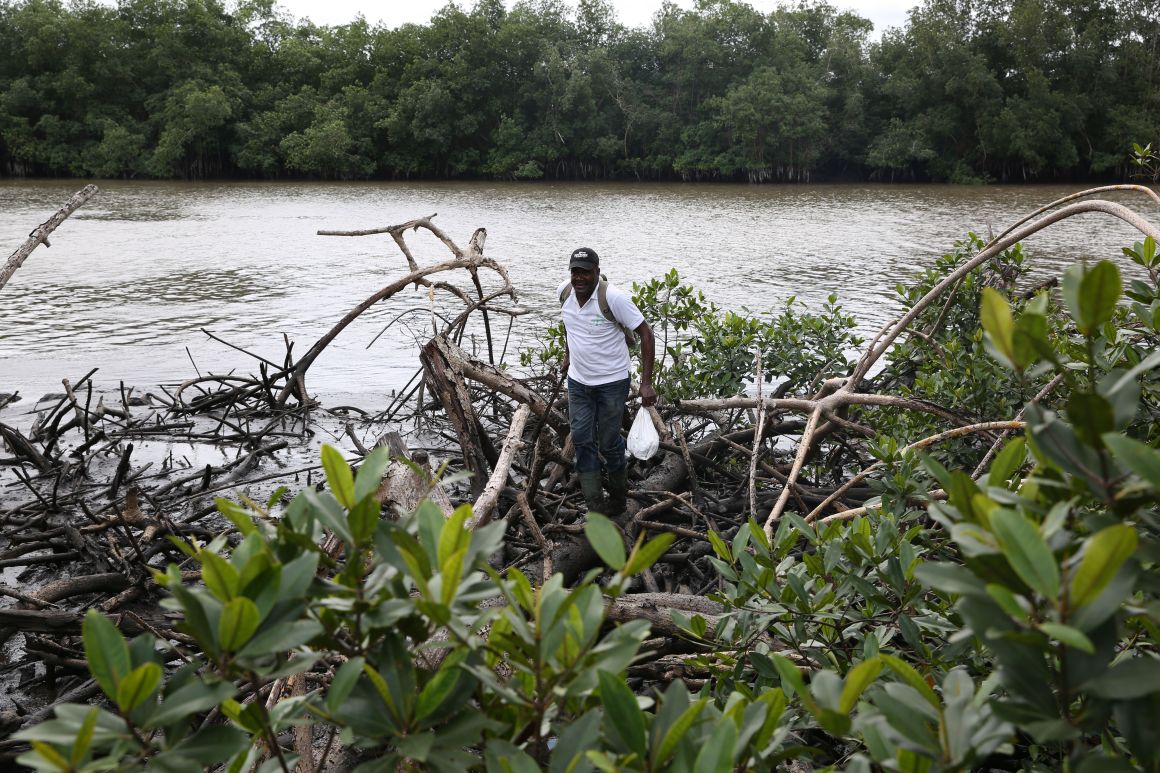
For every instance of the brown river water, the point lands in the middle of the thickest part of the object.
(132, 278)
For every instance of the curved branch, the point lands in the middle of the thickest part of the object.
(798, 462)
(308, 359)
(985, 426)
(997, 246)
(1048, 389)
(1089, 192)
(495, 484)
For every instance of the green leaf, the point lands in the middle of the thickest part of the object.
(676, 733)
(997, 321)
(281, 637)
(84, 738)
(438, 689)
(1103, 555)
(834, 723)
(575, 740)
(605, 539)
(758, 535)
(858, 679)
(907, 673)
(211, 745)
(1069, 288)
(624, 715)
(51, 755)
(343, 682)
(1136, 722)
(1091, 416)
(965, 495)
(719, 547)
(1104, 606)
(716, 756)
(237, 515)
(106, 651)
(1007, 463)
(949, 578)
(791, 677)
(363, 518)
(138, 685)
(191, 699)
(505, 757)
(298, 574)
(1122, 379)
(1026, 551)
(647, 554)
(219, 575)
(1099, 291)
(239, 620)
(370, 473)
(1006, 600)
(327, 509)
(1069, 636)
(1123, 395)
(454, 537)
(1136, 456)
(338, 475)
(275, 497)
(1030, 338)
(1128, 679)
(450, 574)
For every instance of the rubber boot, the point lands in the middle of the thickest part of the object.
(617, 492)
(593, 492)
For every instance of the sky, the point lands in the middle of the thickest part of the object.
(631, 13)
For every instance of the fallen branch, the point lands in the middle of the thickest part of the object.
(40, 234)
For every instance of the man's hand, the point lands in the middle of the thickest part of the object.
(648, 395)
(564, 365)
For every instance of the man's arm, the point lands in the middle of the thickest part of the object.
(648, 395)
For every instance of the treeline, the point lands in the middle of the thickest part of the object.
(1002, 90)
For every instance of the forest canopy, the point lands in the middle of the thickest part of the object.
(997, 90)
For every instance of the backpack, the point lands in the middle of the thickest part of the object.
(606, 310)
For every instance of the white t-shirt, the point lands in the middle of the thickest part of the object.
(597, 351)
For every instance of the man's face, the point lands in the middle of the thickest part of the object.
(583, 280)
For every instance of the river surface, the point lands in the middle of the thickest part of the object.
(133, 277)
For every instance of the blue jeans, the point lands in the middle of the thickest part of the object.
(596, 413)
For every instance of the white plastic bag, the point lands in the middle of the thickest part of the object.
(643, 441)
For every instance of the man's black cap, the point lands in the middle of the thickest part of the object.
(585, 258)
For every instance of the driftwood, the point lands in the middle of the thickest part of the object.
(40, 234)
(408, 481)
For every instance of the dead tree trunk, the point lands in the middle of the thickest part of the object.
(447, 383)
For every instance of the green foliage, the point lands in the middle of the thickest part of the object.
(1147, 160)
(422, 681)
(1032, 601)
(203, 88)
(967, 353)
(1009, 620)
(704, 351)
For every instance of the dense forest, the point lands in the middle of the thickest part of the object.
(966, 91)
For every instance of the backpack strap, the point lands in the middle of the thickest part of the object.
(602, 300)
(605, 308)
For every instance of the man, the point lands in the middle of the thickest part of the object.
(597, 363)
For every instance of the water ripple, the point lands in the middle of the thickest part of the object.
(133, 276)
